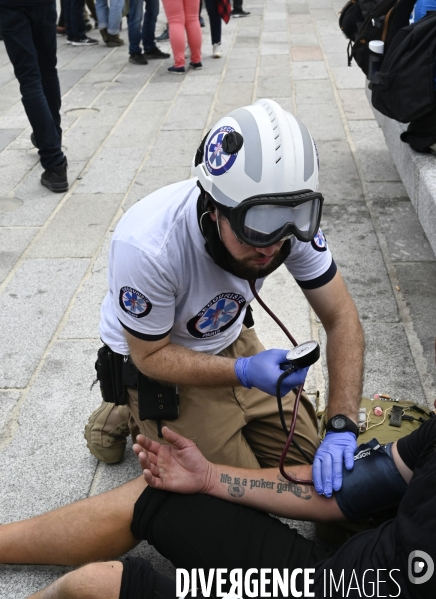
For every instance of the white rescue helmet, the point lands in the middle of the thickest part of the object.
(259, 165)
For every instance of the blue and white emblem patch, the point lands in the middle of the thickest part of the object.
(217, 316)
(319, 242)
(134, 302)
(217, 161)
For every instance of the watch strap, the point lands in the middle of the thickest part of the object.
(350, 426)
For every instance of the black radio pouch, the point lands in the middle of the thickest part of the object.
(156, 401)
(109, 367)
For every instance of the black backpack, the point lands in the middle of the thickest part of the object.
(352, 16)
(382, 23)
(404, 87)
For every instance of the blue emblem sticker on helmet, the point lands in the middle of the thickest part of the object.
(134, 302)
(217, 161)
(319, 242)
(217, 316)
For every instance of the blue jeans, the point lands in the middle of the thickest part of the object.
(109, 17)
(29, 34)
(148, 26)
(74, 19)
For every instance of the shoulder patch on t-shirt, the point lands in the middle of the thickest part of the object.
(319, 242)
(134, 303)
(217, 316)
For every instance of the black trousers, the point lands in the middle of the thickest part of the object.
(74, 20)
(29, 34)
(197, 531)
(214, 20)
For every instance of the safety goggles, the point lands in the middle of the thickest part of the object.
(264, 220)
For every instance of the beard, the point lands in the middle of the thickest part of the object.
(242, 270)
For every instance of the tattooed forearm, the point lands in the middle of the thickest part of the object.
(301, 491)
(236, 486)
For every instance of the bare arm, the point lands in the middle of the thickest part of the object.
(174, 363)
(345, 345)
(182, 468)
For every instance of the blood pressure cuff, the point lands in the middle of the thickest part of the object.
(141, 581)
(373, 485)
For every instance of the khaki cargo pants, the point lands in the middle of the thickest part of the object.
(234, 425)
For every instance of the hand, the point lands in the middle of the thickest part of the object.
(179, 467)
(263, 370)
(327, 465)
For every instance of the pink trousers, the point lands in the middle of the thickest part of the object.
(181, 15)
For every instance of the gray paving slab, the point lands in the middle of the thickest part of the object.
(356, 105)
(78, 227)
(417, 284)
(57, 407)
(375, 158)
(139, 126)
(399, 223)
(8, 400)
(339, 180)
(181, 142)
(111, 172)
(322, 120)
(13, 242)
(151, 178)
(356, 250)
(82, 322)
(186, 114)
(7, 136)
(314, 92)
(32, 306)
(69, 77)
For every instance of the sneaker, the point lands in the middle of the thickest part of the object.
(240, 13)
(164, 36)
(177, 70)
(106, 432)
(85, 41)
(216, 50)
(202, 23)
(138, 59)
(33, 140)
(113, 41)
(196, 66)
(55, 178)
(69, 40)
(103, 33)
(155, 53)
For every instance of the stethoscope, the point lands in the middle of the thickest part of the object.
(300, 356)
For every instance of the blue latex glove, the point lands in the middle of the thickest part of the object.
(263, 370)
(327, 465)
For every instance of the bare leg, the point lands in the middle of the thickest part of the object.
(91, 582)
(93, 529)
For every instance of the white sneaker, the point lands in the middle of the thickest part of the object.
(216, 50)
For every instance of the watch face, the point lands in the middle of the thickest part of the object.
(338, 422)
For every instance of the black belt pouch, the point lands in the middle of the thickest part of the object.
(157, 401)
(109, 368)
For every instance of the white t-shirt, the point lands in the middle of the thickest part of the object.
(162, 280)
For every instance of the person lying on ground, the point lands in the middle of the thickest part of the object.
(182, 513)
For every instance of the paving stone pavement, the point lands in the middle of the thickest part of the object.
(129, 130)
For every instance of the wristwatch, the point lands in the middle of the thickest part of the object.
(341, 424)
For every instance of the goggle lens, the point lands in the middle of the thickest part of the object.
(263, 223)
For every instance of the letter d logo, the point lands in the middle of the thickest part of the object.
(420, 567)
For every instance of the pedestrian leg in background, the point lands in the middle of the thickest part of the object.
(30, 38)
(149, 31)
(176, 26)
(193, 31)
(215, 27)
(109, 21)
(134, 22)
(238, 11)
(76, 31)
